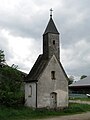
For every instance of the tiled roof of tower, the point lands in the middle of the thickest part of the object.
(51, 28)
(82, 82)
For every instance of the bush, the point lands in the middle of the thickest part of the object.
(11, 82)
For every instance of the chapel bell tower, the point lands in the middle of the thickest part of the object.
(51, 40)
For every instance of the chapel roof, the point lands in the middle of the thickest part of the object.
(38, 68)
(51, 27)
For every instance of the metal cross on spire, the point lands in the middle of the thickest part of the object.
(51, 13)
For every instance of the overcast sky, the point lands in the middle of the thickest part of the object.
(22, 24)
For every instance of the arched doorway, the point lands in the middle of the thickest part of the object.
(53, 100)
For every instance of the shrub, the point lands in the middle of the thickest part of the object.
(11, 82)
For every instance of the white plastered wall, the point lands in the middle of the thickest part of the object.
(30, 94)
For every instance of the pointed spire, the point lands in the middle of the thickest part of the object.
(51, 28)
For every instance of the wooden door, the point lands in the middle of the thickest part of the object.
(53, 100)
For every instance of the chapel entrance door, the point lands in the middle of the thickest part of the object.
(53, 100)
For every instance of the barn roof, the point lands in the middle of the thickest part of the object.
(82, 82)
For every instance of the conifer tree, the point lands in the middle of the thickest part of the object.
(2, 57)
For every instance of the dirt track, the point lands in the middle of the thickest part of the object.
(83, 116)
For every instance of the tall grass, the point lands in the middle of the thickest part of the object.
(25, 113)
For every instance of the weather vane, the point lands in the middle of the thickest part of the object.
(51, 13)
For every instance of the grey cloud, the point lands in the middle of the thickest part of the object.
(20, 25)
(73, 21)
(77, 58)
(4, 45)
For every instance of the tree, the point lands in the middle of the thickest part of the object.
(2, 57)
(11, 83)
(71, 79)
(14, 66)
(10, 86)
(83, 76)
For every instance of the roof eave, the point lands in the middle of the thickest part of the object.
(30, 81)
(51, 33)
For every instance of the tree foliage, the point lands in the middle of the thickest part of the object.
(71, 79)
(83, 76)
(2, 56)
(10, 86)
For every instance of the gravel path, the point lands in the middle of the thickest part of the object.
(83, 116)
(79, 101)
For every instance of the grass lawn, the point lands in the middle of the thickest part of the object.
(25, 113)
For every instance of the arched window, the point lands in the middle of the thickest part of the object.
(30, 91)
(53, 42)
(53, 75)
